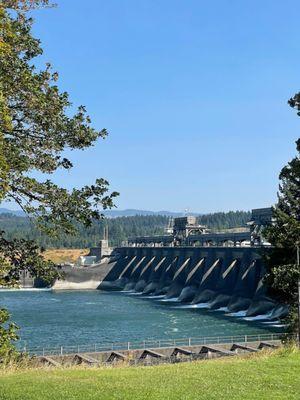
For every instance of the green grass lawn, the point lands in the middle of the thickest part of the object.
(261, 376)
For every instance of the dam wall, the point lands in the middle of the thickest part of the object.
(229, 278)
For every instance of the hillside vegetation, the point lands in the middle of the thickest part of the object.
(261, 376)
(119, 228)
(60, 256)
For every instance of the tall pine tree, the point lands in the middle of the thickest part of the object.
(284, 234)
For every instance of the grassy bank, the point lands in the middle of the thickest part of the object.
(60, 256)
(261, 376)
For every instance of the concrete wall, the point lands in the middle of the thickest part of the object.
(228, 277)
(134, 354)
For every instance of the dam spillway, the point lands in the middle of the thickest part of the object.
(186, 284)
(209, 284)
(218, 271)
(228, 278)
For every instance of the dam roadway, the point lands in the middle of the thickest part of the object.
(228, 278)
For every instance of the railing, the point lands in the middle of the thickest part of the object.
(146, 344)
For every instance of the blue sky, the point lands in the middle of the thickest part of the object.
(193, 93)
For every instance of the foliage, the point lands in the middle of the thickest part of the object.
(8, 335)
(36, 127)
(23, 256)
(225, 220)
(25, 5)
(284, 234)
(119, 229)
(260, 376)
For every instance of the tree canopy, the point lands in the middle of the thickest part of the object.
(36, 127)
(284, 234)
(120, 228)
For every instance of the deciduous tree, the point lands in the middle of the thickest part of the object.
(36, 127)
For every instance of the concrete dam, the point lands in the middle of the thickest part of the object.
(221, 275)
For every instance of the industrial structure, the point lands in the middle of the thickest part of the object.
(187, 232)
(192, 265)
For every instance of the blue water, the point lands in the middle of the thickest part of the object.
(49, 318)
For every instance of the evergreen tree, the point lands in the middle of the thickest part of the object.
(284, 234)
(119, 229)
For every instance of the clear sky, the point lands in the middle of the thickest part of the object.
(193, 93)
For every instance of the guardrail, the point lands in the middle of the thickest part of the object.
(146, 344)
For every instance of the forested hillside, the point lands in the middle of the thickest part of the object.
(119, 228)
(221, 220)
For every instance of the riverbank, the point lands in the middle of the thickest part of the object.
(267, 375)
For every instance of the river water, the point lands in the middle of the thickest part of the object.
(49, 318)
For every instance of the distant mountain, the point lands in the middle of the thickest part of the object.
(18, 213)
(133, 212)
(111, 213)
